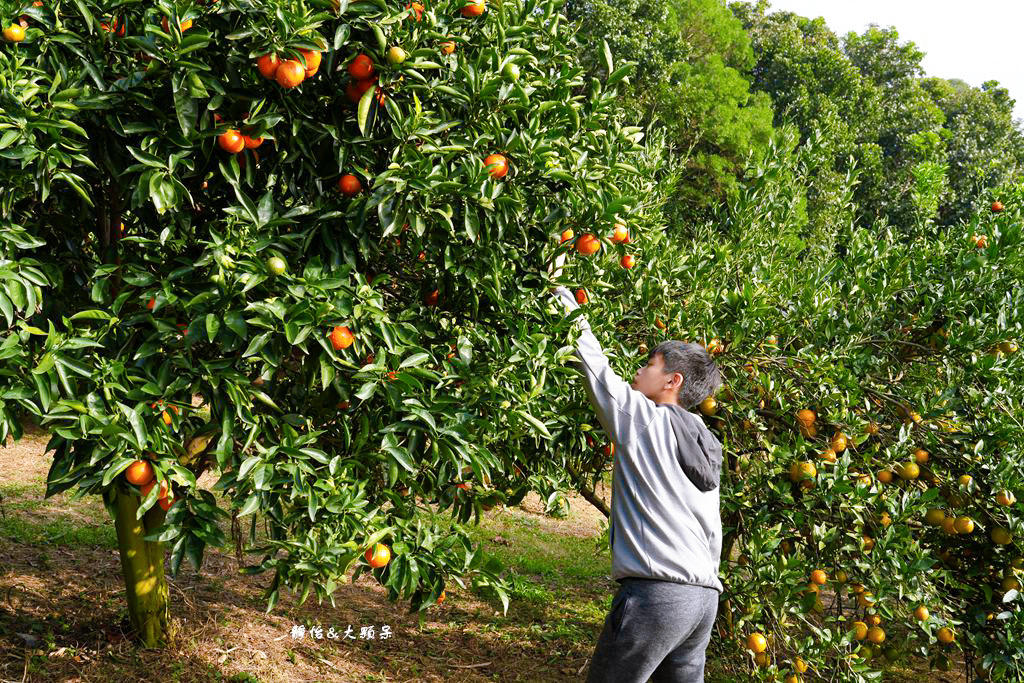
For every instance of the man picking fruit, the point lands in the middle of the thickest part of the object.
(666, 530)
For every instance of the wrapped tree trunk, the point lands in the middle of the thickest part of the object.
(142, 564)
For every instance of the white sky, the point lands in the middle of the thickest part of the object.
(973, 41)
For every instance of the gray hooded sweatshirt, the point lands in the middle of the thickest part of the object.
(665, 521)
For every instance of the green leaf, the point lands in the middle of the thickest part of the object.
(212, 326)
(365, 102)
(535, 422)
(138, 428)
(415, 359)
(607, 54)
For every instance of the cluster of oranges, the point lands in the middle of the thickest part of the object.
(140, 473)
(587, 244)
(289, 72)
(364, 77)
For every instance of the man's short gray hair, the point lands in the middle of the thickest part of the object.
(700, 373)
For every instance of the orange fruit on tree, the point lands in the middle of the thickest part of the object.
(884, 476)
(567, 235)
(497, 165)
(355, 89)
(909, 470)
(819, 577)
(581, 296)
(980, 241)
(587, 244)
(756, 643)
(361, 68)
(806, 417)
(1002, 536)
(620, 234)
(440, 598)
(349, 185)
(267, 65)
(873, 620)
(762, 660)
(151, 303)
(1005, 497)
(869, 543)
(949, 525)
(231, 141)
(139, 473)
(417, 8)
(963, 525)
(166, 503)
(860, 630)
(341, 337)
(997, 206)
(920, 456)
(876, 634)
(871, 429)
(945, 635)
(184, 26)
(921, 613)
(312, 58)
(838, 442)
(474, 8)
(800, 471)
(828, 455)
(627, 261)
(448, 47)
(378, 556)
(290, 73)
(965, 480)
(432, 298)
(609, 449)
(709, 406)
(162, 493)
(251, 143)
(14, 33)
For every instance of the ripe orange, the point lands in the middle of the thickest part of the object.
(860, 630)
(828, 455)
(312, 61)
(448, 47)
(349, 185)
(290, 73)
(838, 442)
(422, 256)
(378, 556)
(921, 613)
(462, 485)
(709, 406)
(474, 8)
(162, 493)
(659, 324)
(341, 338)
(980, 241)
(184, 26)
(151, 303)
(963, 525)
(884, 476)
(431, 299)
(819, 577)
(909, 470)
(166, 503)
(871, 429)
(581, 296)
(806, 417)
(343, 405)
(139, 473)
(1001, 536)
(620, 234)
(920, 456)
(756, 643)
(361, 68)
(14, 33)
(997, 206)
(869, 543)
(267, 64)
(497, 165)
(627, 261)
(440, 598)
(231, 141)
(965, 480)
(355, 89)
(166, 417)
(609, 449)
(587, 244)
(251, 143)
(567, 235)
(800, 471)
(1005, 497)
(417, 8)
(946, 635)
(876, 634)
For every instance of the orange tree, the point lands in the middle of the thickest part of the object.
(270, 241)
(871, 419)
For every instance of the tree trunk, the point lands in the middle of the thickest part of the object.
(142, 564)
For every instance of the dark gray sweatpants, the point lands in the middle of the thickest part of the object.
(656, 630)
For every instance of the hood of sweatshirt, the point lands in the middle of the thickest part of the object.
(703, 464)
